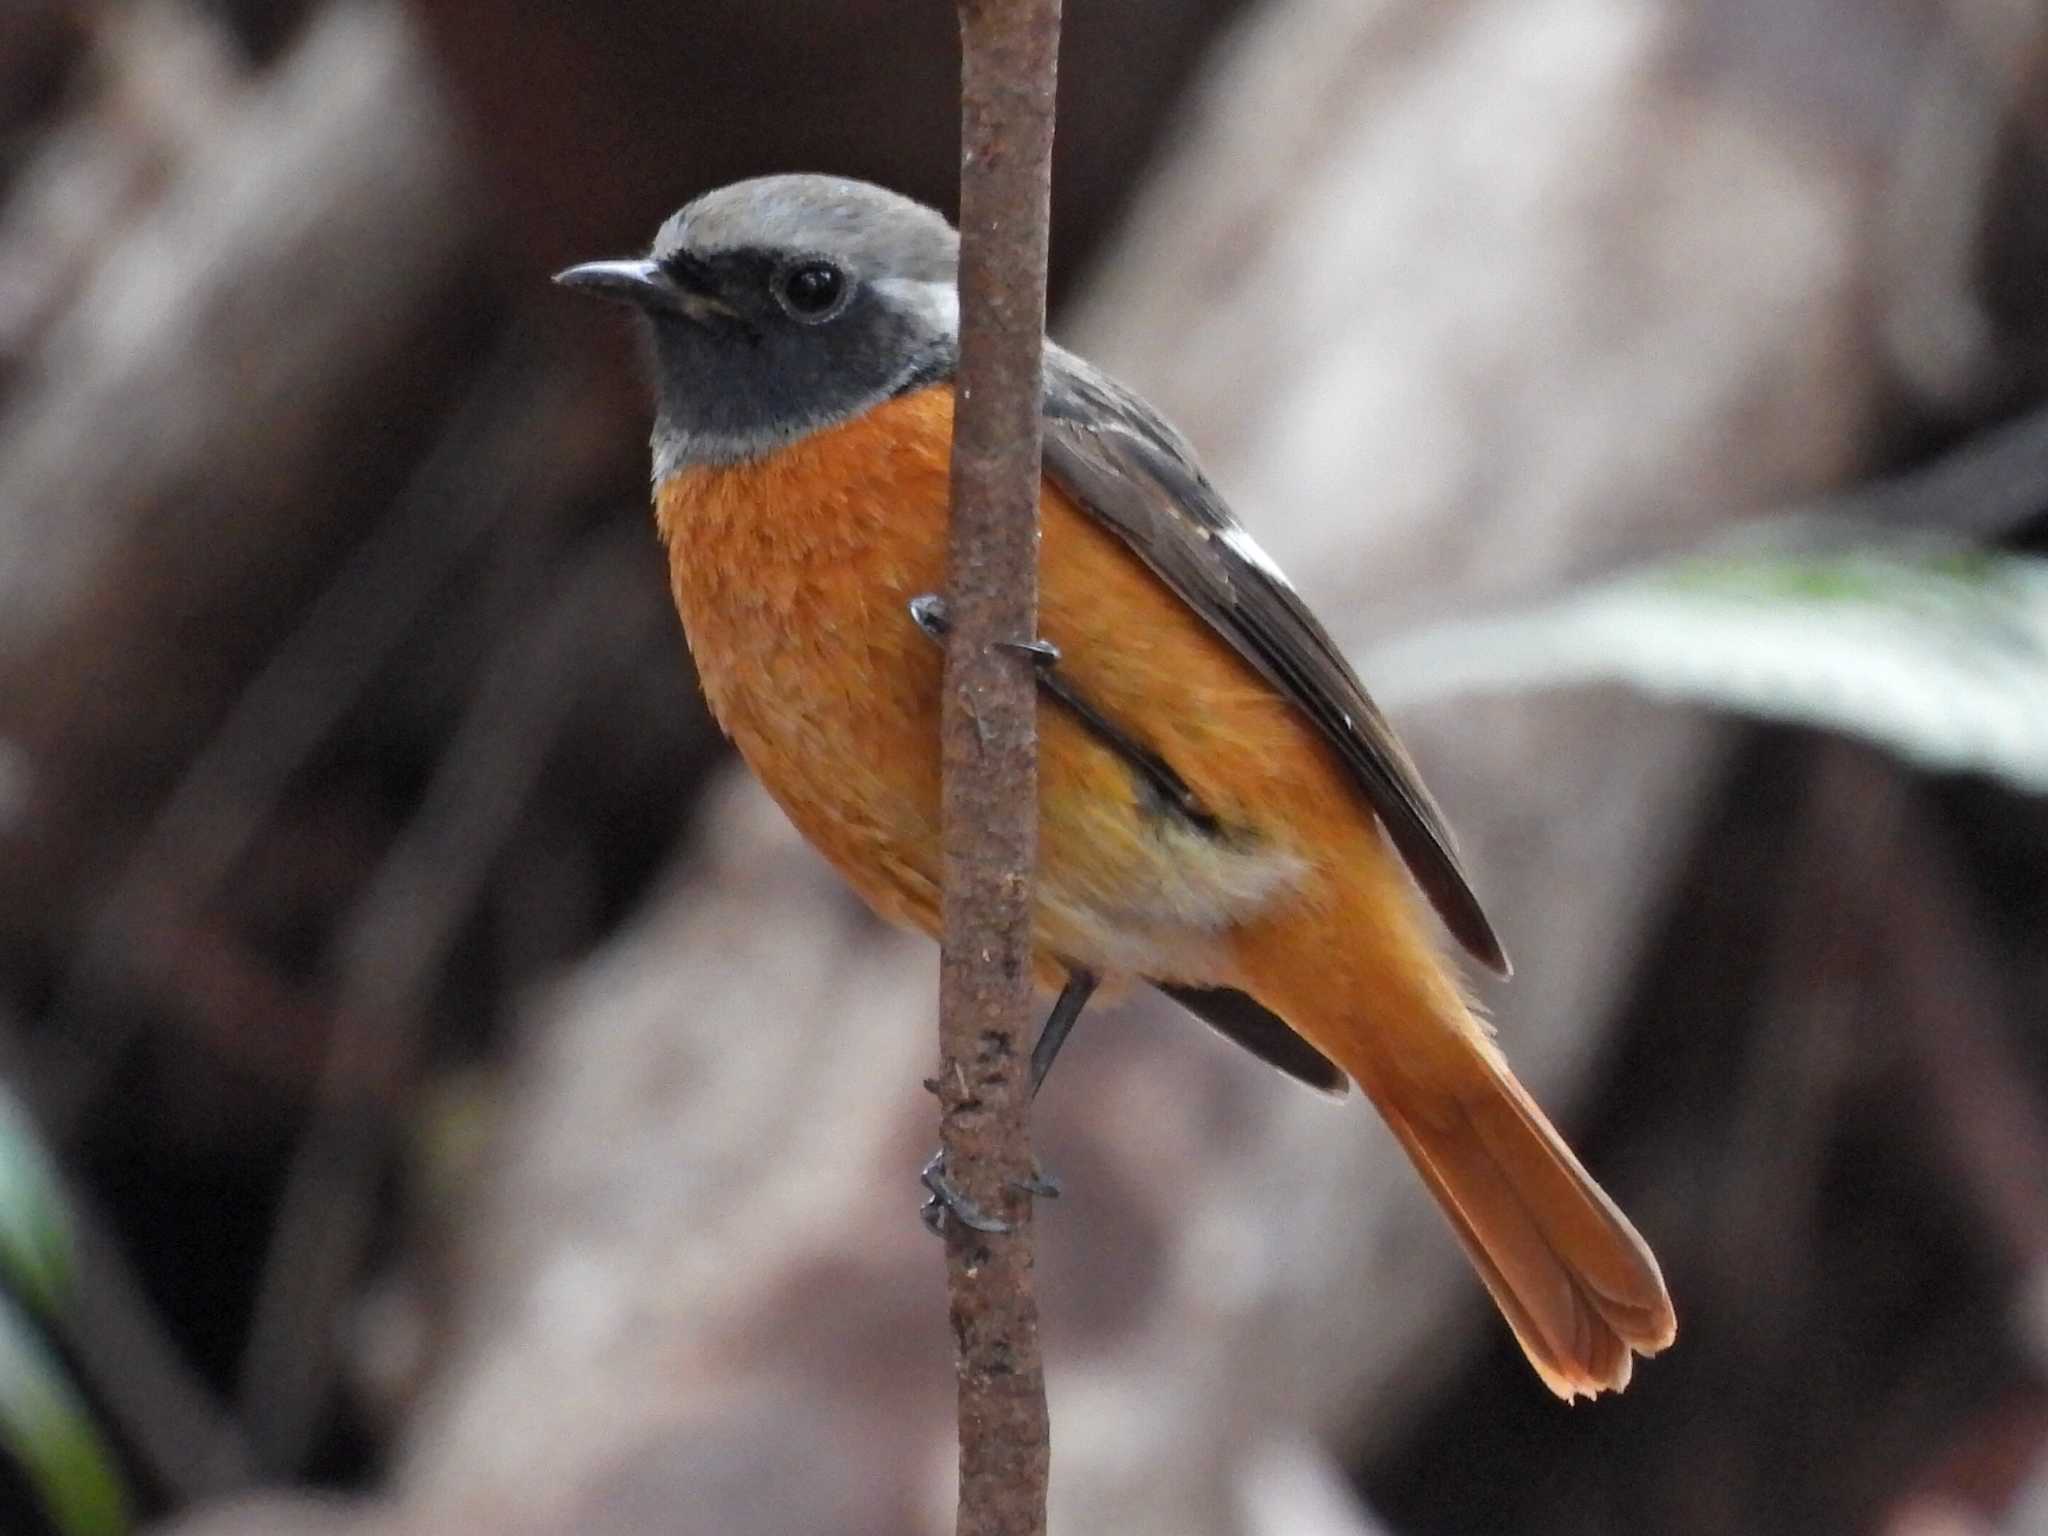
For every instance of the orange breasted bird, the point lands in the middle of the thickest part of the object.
(1223, 813)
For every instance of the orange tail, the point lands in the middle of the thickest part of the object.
(1575, 1281)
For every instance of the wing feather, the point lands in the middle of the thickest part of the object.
(1111, 453)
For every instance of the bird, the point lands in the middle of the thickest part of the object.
(1224, 813)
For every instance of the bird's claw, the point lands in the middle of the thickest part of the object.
(1045, 1185)
(1043, 653)
(929, 613)
(943, 1200)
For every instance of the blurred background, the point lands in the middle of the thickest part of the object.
(443, 1096)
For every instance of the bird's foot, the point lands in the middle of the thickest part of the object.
(944, 1201)
(929, 614)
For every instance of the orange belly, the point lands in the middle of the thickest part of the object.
(793, 577)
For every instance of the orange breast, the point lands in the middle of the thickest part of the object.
(793, 577)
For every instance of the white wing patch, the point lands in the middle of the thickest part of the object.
(1246, 548)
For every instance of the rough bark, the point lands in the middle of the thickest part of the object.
(989, 757)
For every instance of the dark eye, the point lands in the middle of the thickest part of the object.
(811, 289)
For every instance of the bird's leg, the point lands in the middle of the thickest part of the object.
(942, 1198)
(1066, 1013)
(929, 614)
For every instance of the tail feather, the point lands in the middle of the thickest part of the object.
(1592, 1359)
(1576, 1283)
(1574, 1280)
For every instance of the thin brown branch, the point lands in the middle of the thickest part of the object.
(990, 755)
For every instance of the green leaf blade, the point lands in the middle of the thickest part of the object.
(1937, 654)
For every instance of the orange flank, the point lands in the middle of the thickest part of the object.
(793, 574)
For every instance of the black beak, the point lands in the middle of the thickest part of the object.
(643, 284)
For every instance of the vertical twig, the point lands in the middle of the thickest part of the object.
(990, 755)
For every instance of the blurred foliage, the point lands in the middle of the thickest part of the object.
(47, 1427)
(35, 1238)
(1937, 653)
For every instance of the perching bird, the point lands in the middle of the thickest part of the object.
(1223, 811)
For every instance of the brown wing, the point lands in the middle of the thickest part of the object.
(1110, 452)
